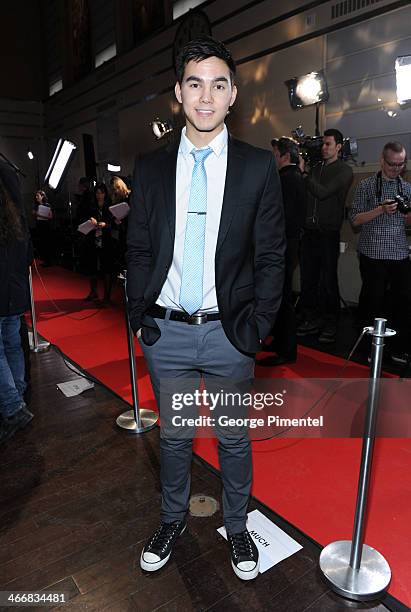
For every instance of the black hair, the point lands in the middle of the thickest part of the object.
(336, 134)
(287, 145)
(102, 187)
(200, 49)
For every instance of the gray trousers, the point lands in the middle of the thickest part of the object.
(195, 352)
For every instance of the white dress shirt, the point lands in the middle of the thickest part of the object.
(215, 166)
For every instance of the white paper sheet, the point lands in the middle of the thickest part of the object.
(273, 543)
(86, 227)
(75, 387)
(119, 211)
(44, 212)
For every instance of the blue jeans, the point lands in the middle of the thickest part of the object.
(12, 383)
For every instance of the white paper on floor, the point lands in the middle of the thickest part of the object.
(75, 387)
(273, 543)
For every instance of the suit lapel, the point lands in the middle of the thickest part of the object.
(169, 184)
(232, 189)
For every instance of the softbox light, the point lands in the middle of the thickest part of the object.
(60, 163)
(403, 77)
(307, 89)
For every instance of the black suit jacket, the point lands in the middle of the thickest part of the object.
(249, 258)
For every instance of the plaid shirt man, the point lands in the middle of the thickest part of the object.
(384, 237)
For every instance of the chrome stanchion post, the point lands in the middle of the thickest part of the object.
(36, 346)
(353, 569)
(137, 420)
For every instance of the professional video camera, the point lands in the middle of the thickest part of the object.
(310, 147)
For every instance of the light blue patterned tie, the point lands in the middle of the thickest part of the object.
(191, 292)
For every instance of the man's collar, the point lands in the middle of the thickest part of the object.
(387, 178)
(218, 143)
(331, 162)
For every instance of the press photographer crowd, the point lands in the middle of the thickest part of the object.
(316, 176)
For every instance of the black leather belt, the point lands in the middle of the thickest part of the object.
(198, 318)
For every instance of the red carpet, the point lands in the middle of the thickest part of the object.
(311, 483)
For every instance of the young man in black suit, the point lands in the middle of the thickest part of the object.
(205, 276)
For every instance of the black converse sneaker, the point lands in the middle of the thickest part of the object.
(244, 555)
(158, 549)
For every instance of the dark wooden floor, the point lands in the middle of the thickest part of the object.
(79, 497)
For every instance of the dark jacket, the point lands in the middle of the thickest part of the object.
(15, 259)
(294, 199)
(249, 258)
(327, 188)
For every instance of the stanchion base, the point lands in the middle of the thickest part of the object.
(369, 582)
(41, 347)
(148, 420)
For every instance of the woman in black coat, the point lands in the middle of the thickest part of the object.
(15, 258)
(97, 252)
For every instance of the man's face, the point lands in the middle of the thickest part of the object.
(392, 163)
(282, 160)
(330, 149)
(206, 94)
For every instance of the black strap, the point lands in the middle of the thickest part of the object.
(379, 186)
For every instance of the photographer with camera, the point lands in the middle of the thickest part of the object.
(381, 209)
(327, 186)
(287, 156)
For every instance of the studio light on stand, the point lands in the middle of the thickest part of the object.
(161, 128)
(56, 173)
(307, 90)
(403, 79)
(60, 163)
(57, 170)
